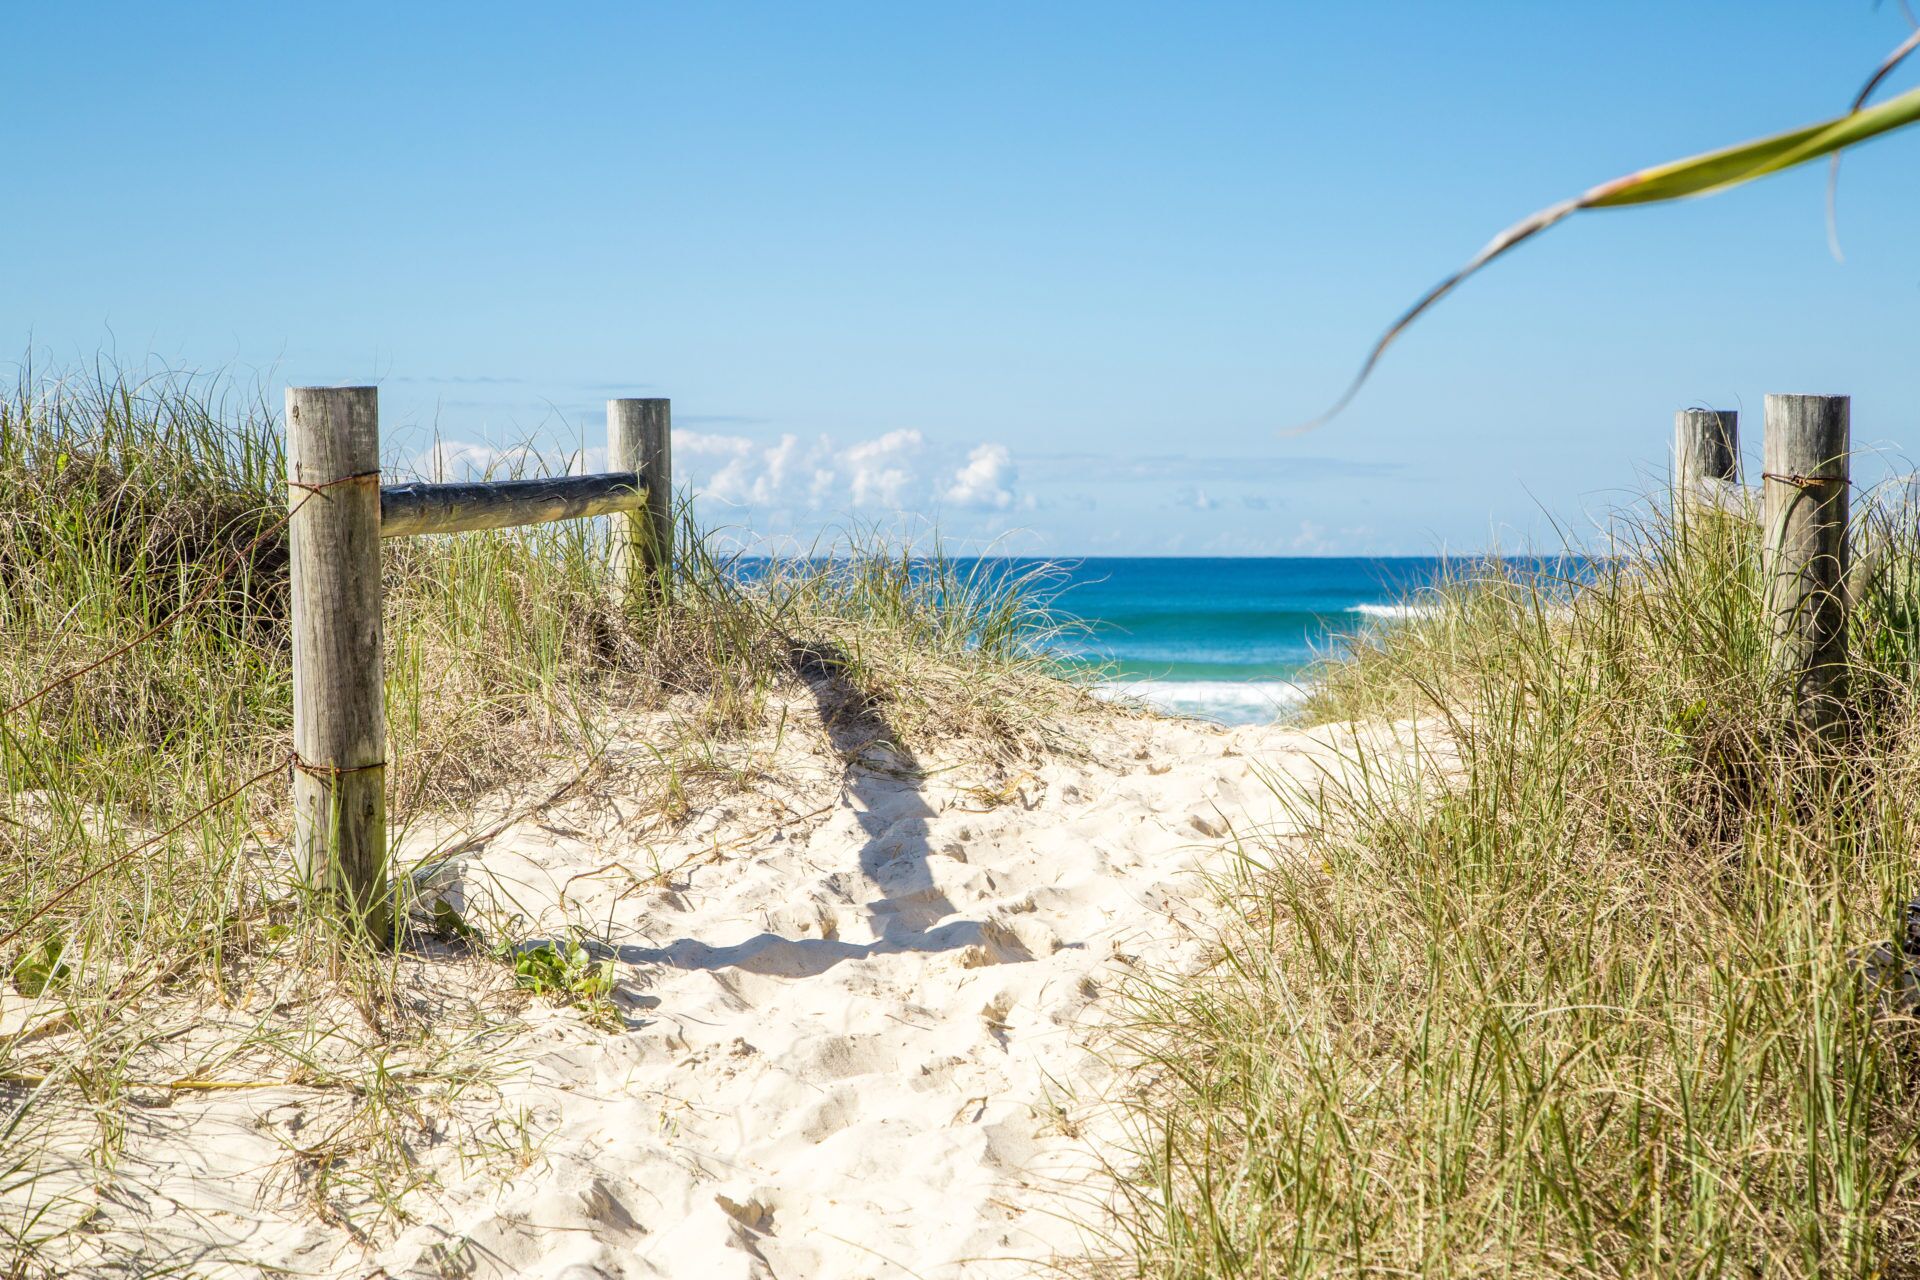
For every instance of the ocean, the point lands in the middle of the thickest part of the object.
(1227, 638)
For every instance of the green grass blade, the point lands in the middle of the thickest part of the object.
(1732, 166)
(1699, 175)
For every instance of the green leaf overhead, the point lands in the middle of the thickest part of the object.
(1695, 176)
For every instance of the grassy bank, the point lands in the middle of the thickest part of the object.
(148, 941)
(1584, 996)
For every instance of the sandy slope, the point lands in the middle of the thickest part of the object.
(859, 997)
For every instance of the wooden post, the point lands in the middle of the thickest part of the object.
(1706, 457)
(339, 716)
(1804, 560)
(640, 440)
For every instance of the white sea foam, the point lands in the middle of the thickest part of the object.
(1402, 611)
(1226, 701)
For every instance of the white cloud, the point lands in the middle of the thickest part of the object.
(779, 462)
(1310, 540)
(734, 468)
(879, 471)
(447, 461)
(820, 486)
(790, 475)
(986, 480)
(895, 471)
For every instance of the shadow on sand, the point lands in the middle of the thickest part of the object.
(882, 782)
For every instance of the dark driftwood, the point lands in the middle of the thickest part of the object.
(407, 509)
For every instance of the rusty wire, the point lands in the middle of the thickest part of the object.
(291, 761)
(148, 843)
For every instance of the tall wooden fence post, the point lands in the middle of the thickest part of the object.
(1706, 456)
(640, 440)
(339, 716)
(1805, 501)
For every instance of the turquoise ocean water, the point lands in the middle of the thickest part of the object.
(1227, 639)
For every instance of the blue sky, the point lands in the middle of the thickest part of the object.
(1067, 270)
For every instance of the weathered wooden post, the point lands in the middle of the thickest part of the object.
(1706, 457)
(339, 716)
(1805, 501)
(640, 440)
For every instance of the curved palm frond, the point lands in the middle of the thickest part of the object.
(1699, 175)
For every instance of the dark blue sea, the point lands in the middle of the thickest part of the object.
(1227, 639)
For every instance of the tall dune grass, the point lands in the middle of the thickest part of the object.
(130, 505)
(1583, 996)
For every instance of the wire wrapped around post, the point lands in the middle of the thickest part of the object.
(1805, 503)
(339, 711)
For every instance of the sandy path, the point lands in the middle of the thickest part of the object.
(858, 1018)
(864, 1041)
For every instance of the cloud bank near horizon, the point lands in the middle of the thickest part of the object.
(898, 471)
(787, 489)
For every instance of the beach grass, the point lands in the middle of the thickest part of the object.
(1583, 984)
(153, 937)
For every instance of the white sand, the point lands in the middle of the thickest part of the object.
(859, 1024)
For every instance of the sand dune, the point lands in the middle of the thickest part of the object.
(859, 998)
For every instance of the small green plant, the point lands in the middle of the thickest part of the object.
(41, 966)
(562, 969)
(565, 971)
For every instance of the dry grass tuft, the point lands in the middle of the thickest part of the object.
(1591, 1002)
(127, 504)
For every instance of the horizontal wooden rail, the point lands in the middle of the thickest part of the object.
(337, 514)
(408, 509)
